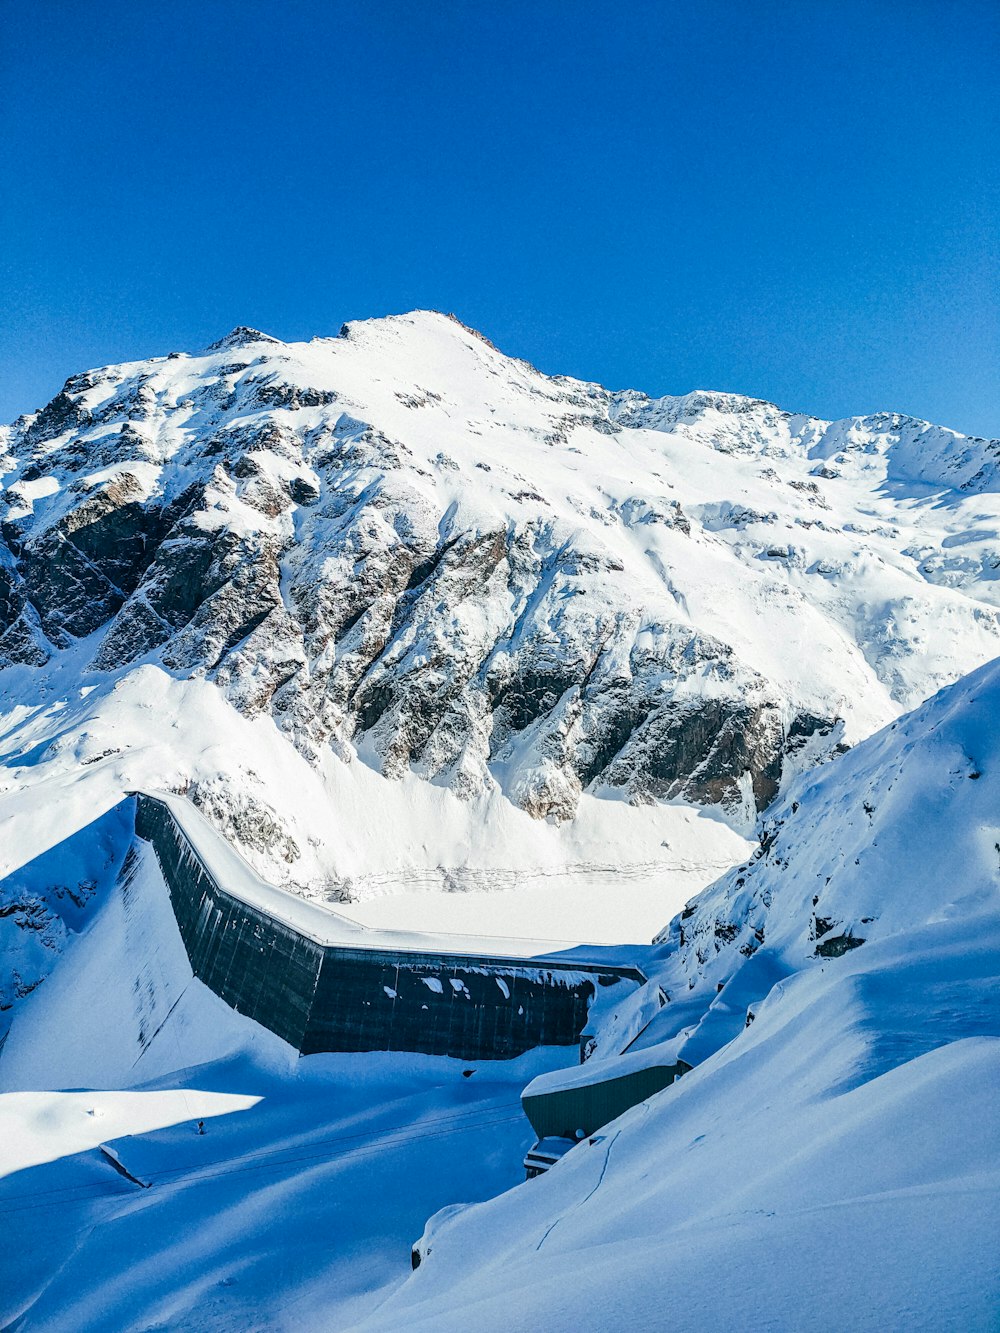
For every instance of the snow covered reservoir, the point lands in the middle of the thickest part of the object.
(323, 983)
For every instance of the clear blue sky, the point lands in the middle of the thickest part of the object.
(799, 201)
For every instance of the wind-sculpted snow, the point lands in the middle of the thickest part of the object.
(402, 544)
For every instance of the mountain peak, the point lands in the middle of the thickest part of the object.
(438, 325)
(242, 336)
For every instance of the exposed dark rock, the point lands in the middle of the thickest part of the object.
(12, 597)
(528, 695)
(23, 643)
(116, 532)
(247, 820)
(701, 752)
(273, 393)
(838, 945)
(303, 491)
(242, 336)
(72, 595)
(135, 631)
(63, 413)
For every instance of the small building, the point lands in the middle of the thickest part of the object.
(567, 1105)
(588, 1097)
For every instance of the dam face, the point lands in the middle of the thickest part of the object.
(440, 1004)
(332, 997)
(257, 964)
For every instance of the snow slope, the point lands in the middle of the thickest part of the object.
(297, 1204)
(795, 1181)
(835, 1163)
(834, 1158)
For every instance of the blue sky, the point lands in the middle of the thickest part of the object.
(799, 201)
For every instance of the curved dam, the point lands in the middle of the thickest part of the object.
(323, 983)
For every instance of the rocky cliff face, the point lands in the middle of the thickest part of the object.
(402, 544)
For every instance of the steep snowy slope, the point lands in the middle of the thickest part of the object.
(901, 832)
(833, 1160)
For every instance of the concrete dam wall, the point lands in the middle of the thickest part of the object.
(322, 996)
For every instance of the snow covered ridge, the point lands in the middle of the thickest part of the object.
(901, 834)
(401, 544)
(839, 1001)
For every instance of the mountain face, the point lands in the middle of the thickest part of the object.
(402, 545)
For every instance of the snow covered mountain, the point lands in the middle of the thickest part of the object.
(401, 613)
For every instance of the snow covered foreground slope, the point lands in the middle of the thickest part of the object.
(297, 1205)
(506, 592)
(833, 1161)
